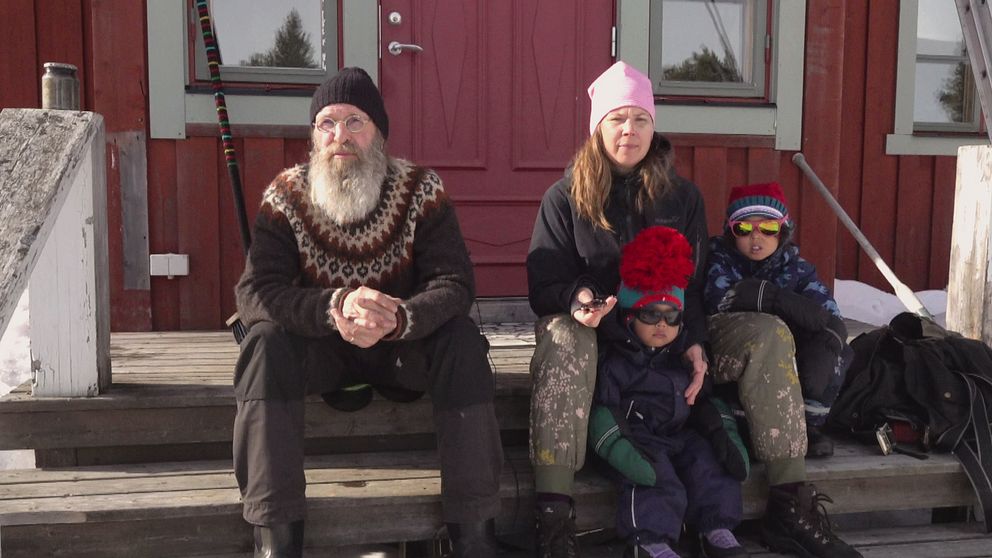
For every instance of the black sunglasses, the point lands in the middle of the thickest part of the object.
(652, 316)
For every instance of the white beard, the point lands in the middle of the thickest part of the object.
(347, 191)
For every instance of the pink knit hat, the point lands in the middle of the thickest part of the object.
(621, 85)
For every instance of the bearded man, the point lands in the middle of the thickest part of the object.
(358, 274)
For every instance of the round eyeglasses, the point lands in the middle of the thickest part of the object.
(353, 124)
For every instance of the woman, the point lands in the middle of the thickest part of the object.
(620, 181)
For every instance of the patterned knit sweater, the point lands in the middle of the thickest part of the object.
(301, 264)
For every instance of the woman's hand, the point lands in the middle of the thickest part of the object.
(589, 310)
(694, 387)
(697, 357)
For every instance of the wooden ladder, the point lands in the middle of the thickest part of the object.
(976, 25)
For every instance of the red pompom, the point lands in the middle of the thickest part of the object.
(658, 259)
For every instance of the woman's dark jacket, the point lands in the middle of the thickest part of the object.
(567, 252)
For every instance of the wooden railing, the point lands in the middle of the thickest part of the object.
(53, 235)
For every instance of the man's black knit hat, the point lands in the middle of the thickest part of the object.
(355, 87)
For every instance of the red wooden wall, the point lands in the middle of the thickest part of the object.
(903, 204)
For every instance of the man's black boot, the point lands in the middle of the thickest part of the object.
(798, 523)
(471, 540)
(556, 530)
(284, 540)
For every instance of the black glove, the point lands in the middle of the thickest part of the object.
(802, 313)
(750, 295)
(823, 357)
(838, 334)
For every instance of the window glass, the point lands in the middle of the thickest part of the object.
(706, 41)
(284, 34)
(943, 92)
(944, 96)
(285, 42)
(708, 47)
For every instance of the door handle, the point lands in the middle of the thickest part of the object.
(397, 48)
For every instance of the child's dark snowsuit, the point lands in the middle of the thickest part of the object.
(668, 472)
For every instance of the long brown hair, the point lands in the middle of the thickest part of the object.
(592, 178)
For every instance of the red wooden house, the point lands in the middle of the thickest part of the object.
(491, 94)
(496, 102)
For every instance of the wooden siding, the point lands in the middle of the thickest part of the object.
(903, 204)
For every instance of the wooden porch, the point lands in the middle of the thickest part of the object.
(145, 470)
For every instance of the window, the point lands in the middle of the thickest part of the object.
(734, 67)
(945, 98)
(176, 100)
(937, 108)
(292, 41)
(712, 48)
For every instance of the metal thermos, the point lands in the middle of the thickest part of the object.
(59, 87)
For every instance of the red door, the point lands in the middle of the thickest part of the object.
(496, 103)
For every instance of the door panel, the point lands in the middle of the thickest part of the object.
(546, 84)
(496, 104)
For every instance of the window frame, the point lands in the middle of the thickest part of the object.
(754, 90)
(780, 116)
(176, 101)
(233, 73)
(906, 138)
(975, 125)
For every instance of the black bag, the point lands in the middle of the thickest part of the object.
(937, 380)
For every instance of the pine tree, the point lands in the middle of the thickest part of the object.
(705, 66)
(292, 48)
(952, 96)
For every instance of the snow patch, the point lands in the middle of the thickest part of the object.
(15, 349)
(15, 369)
(864, 303)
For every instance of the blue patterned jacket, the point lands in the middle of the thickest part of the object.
(725, 266)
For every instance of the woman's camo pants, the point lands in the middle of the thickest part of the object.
(758, 352)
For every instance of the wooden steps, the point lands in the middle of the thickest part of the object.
(172, 399)
(171, 407)
(194, 507)
(173, 390)
(182, 509)
(925, 541)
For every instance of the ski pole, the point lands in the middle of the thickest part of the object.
(904, 293)
(213, 62)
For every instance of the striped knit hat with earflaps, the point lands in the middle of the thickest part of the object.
(758, 200)
(655, 267)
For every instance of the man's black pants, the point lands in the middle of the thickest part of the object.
(276, 369)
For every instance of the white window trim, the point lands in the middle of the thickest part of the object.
(783, 119)
(171, 108)
(902, 141)
(752, 89)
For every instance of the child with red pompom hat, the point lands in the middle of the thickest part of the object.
(668, 472)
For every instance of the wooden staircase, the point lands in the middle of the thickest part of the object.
(145, 470)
